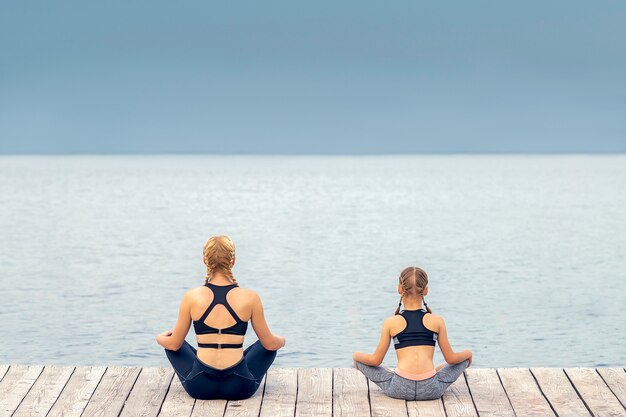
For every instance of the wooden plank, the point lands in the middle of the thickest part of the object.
(488, 393)
(77, 391)
(384, 406)
(615, 378)
(15, 385)
(148, 392)
(112, 391)
(209, 408)
(177, 402)
(559, 391)
(3, 371)
(281, 387)
(350, 393)
(45, 391)
(250, 407)
(524, 393)
(430, 408)
(594, 392)
(315, 392)
(457, 400)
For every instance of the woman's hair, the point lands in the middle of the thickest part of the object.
(414, 281)
(219, 254)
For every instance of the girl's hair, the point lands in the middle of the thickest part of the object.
(414, 281)
(219, 254)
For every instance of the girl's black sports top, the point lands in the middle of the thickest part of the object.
(415, 333)
(239, 328)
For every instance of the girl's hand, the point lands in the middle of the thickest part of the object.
(166, 333)
(469, 356)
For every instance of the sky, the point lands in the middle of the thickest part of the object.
(317, 77)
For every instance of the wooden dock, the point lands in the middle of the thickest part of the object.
(125, 391)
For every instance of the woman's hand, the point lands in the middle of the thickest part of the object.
(283, 341)
(468, 353)
(162, 338)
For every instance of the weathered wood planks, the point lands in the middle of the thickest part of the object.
(430, 408)
(3, 371)
(44, 391)
(559, 391)
(350, 393)
(209, 408)
(177, 403)
(150, 392)
(615, 378)
(111, 393)
(524, 393)
(488, 393)
(457, 400)
(315, 392)
(279, 400)
(15, 385)
(77, 392)
(594, 392)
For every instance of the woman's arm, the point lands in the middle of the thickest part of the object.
(269, 340)
(173, 340)
(449, 355)
(377, 357)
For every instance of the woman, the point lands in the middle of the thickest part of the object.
(220, 311)
(415, 332)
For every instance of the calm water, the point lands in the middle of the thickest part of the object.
(526, 254)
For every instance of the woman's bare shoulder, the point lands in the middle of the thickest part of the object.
(247, 293)
(195, 294)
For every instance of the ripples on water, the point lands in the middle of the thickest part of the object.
(525, 253)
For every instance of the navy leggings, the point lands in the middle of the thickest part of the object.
(237, 382)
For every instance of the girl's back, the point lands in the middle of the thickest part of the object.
(415, 331)
(415, 359)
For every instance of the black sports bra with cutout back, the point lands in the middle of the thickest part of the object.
(239, 328)
(415, 333)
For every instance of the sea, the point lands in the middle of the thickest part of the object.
(526, 254)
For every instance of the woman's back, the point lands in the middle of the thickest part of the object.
(220, 307)
(220, 311)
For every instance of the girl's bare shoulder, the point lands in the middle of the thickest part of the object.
(433, 321)
(395, 323)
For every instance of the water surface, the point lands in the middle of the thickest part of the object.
(525, 253)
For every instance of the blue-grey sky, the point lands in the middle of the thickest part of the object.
(356, 77)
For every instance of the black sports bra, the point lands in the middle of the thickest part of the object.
(415, 333)
(239, 328)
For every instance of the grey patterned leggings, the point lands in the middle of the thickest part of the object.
(396, 386)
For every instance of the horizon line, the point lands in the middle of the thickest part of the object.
(309, 154)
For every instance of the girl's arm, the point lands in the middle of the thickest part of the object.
(269, 340)
(173, 340)
(449, 355)
(377, 357)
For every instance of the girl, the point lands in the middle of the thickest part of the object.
(220, 311)
(415, 332)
